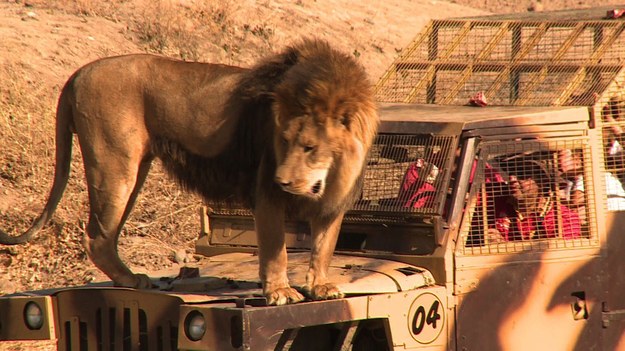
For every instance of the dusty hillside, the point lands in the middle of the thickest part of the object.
(43, 41)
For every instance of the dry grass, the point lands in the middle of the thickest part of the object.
(26, 120)
(181, 29)
(27, 345)
(165, 219)
(26, 112)
(193, 30)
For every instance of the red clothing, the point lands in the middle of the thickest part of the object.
(415, 192)
(512, 226)
(491, 175)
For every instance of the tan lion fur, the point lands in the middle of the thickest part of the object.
(288, 138)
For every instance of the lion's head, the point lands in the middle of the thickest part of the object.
(325, 120)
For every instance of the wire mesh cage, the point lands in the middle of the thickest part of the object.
(404, 174)
(407, 174)
(613, 116)
(512, 62)
(532, 195)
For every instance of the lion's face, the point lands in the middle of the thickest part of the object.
(305, 153)
(325, 121)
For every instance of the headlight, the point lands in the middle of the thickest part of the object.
(195, 326)
(33, 316)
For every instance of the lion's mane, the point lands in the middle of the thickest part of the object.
(302, 75)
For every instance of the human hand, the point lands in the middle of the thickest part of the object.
(493, 236)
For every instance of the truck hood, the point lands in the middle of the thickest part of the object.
(237, 274)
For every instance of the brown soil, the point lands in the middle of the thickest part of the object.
(44, 41)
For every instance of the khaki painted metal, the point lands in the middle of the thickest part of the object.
(116, 319)
(517, 288)
(233, 327)
(12, 323)
(549, 295)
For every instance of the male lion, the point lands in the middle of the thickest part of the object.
(288, 138)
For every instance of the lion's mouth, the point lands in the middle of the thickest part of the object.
(316, 189)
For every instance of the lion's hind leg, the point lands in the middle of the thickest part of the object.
(113, 186)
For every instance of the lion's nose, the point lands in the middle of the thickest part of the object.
(283, 182)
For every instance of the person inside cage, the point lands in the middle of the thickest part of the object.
(570, 164)
(614, 137)
(417, 188)
(529, 210)
(494, 193)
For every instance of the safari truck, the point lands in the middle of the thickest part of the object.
(491, 217)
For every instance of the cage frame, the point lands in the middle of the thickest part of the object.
(432, 54)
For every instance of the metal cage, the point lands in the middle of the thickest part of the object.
(407, 174)
(512, 61)
(404, 175)
(531, 195)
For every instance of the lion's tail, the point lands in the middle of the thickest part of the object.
(61, 172)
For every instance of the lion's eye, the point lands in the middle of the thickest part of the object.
(308, 148)
(345, 119)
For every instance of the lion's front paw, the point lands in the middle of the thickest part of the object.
(283, 296)
(327, 291)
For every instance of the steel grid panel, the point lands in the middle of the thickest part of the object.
(506, 215)
(513, 62)
(404, 174)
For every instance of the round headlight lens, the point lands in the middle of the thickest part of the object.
(33, 316)
(195, 326)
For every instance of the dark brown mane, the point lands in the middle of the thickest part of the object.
(308, 66)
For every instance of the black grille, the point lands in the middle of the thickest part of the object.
(117, 320)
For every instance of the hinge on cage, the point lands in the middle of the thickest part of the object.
(204, 221)
(439, 226)
(591, 118)
(607, 315)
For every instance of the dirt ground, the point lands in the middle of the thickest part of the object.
(43, 41)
